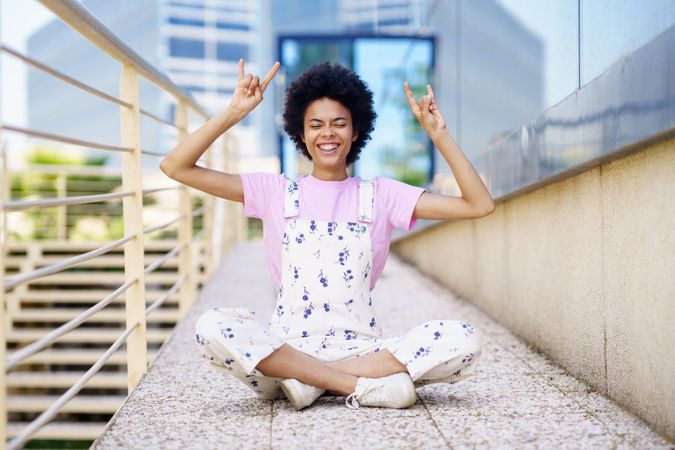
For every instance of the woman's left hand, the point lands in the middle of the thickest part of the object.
(426, 111)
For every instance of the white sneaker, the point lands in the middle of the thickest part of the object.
(300, 394)
(393, 391)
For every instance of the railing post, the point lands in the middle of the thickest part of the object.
(239, 221)
(229, 229)
(4, 235)
(187, 290)
(132, 209)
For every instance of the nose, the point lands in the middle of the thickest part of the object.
(328, 131)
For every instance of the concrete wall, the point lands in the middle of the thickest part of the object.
(584, 270)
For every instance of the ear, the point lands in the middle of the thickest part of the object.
(302, 137)
(355, 136)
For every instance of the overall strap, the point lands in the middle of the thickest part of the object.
(366, 199)
(291, 198)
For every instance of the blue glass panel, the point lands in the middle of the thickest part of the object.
(181, 21)
(186, 48)
(232, 51)
(611, 29)
(233, 26)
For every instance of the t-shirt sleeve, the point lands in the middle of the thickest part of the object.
(399, 200)
(259, 190)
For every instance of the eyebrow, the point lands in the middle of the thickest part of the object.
(319, 120)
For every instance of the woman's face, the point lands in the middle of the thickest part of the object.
(328, 124)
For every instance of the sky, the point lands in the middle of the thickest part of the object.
(14, 34)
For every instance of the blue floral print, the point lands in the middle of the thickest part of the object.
(350, 334)
(347, 276)
(422, 351)
(366, 271)
(308, 311)
(322, 279)
(344, 324)
(342, 256)
(227, 332)
(468, 328)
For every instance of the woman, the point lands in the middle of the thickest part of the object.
(326, 240)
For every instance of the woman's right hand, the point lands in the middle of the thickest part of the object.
(249, 91)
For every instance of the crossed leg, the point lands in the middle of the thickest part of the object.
(338, 377)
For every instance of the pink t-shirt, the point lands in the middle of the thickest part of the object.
(328, 200)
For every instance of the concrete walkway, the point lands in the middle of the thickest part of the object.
(519, 399)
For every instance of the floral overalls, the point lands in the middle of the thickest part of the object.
(324, 308)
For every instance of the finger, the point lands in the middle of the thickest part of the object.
(269, 76)
(409, 94)
(425, 102)
(431, 92)
(258, 94)
(246, 81)
(241, 70)
(254, 84)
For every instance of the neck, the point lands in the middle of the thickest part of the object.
(327, 175)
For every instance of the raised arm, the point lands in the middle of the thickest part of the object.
(476, 200)
(180, 163)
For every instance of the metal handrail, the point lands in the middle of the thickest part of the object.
(50, 412)
(172, 290)
(65, 139)
(18, 205)
(80, 19)
(13, 281)
(84, 22)
(62, 76)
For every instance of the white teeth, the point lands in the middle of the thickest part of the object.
(328, 147)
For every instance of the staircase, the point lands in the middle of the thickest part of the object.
(37, 307)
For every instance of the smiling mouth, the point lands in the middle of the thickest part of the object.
(328, 150)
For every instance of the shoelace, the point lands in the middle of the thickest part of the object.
(352, 399)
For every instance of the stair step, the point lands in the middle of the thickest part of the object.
(107, 316)
(106, 260)
(65, 379)
(87, 335)
(80, 404)
(97, 278)
(56, 430)
(79, 247)
(87, 296)
(77, 356)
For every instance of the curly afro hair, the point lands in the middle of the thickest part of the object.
(338, 83)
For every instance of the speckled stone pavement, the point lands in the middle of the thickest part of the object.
(519, 399)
